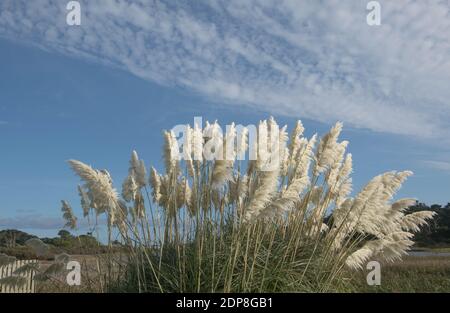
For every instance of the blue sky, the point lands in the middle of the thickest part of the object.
(133, 68)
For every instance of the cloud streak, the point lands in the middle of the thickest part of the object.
(308, 59)
(32, 221)
(438, 165)
(38, 221)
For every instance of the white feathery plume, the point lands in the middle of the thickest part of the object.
(213, 131)
(164, 191)
(392, 182)
(138, 209)
(288, 199)
(294, 158)
(97, 208)
(171, 152)
(181, 193)
(136, 178)
(262, 144)
(100, 185)
(230, 143)
(207, 130)
(267, 187)
(344, 184)
(413, 221)
(341, 185)
(122, 214)
(326, 152)
(238, 188)
(192, 197)
(277, 139)
(335, 168)
(285, 162)
(187, 150)
(376, 209)
(362, 255)
(267, 183)
(395, 214)
(253, 157)
(242, 143)
(304, 157)
(402, 204)
(223, 168)
(85, 201)
(364, 204)
(137, 170)
(346, 168)
(283, 150)
(372, 214)
(69, 217)
(187, 193)
(357, 214)
(155, 183)
(295, 143)
(242, 189)
(197, 143)
(345, 188)
(129, 188)
(396, 245)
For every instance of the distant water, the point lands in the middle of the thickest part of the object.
(428, 253)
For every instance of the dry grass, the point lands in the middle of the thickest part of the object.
(90, 281)
(412, 274)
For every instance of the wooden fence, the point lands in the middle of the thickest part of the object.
(8, 270)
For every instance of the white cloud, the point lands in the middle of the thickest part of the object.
(312, 59)
(438, 165)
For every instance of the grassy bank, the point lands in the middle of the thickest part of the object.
(413, 274)
(434, 249)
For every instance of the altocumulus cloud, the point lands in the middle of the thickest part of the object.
(313, 59)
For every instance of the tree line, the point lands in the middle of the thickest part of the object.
(437, 233)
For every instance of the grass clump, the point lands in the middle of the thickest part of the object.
(281, 221)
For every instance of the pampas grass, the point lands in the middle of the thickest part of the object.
(68, 216)
(285, 221)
